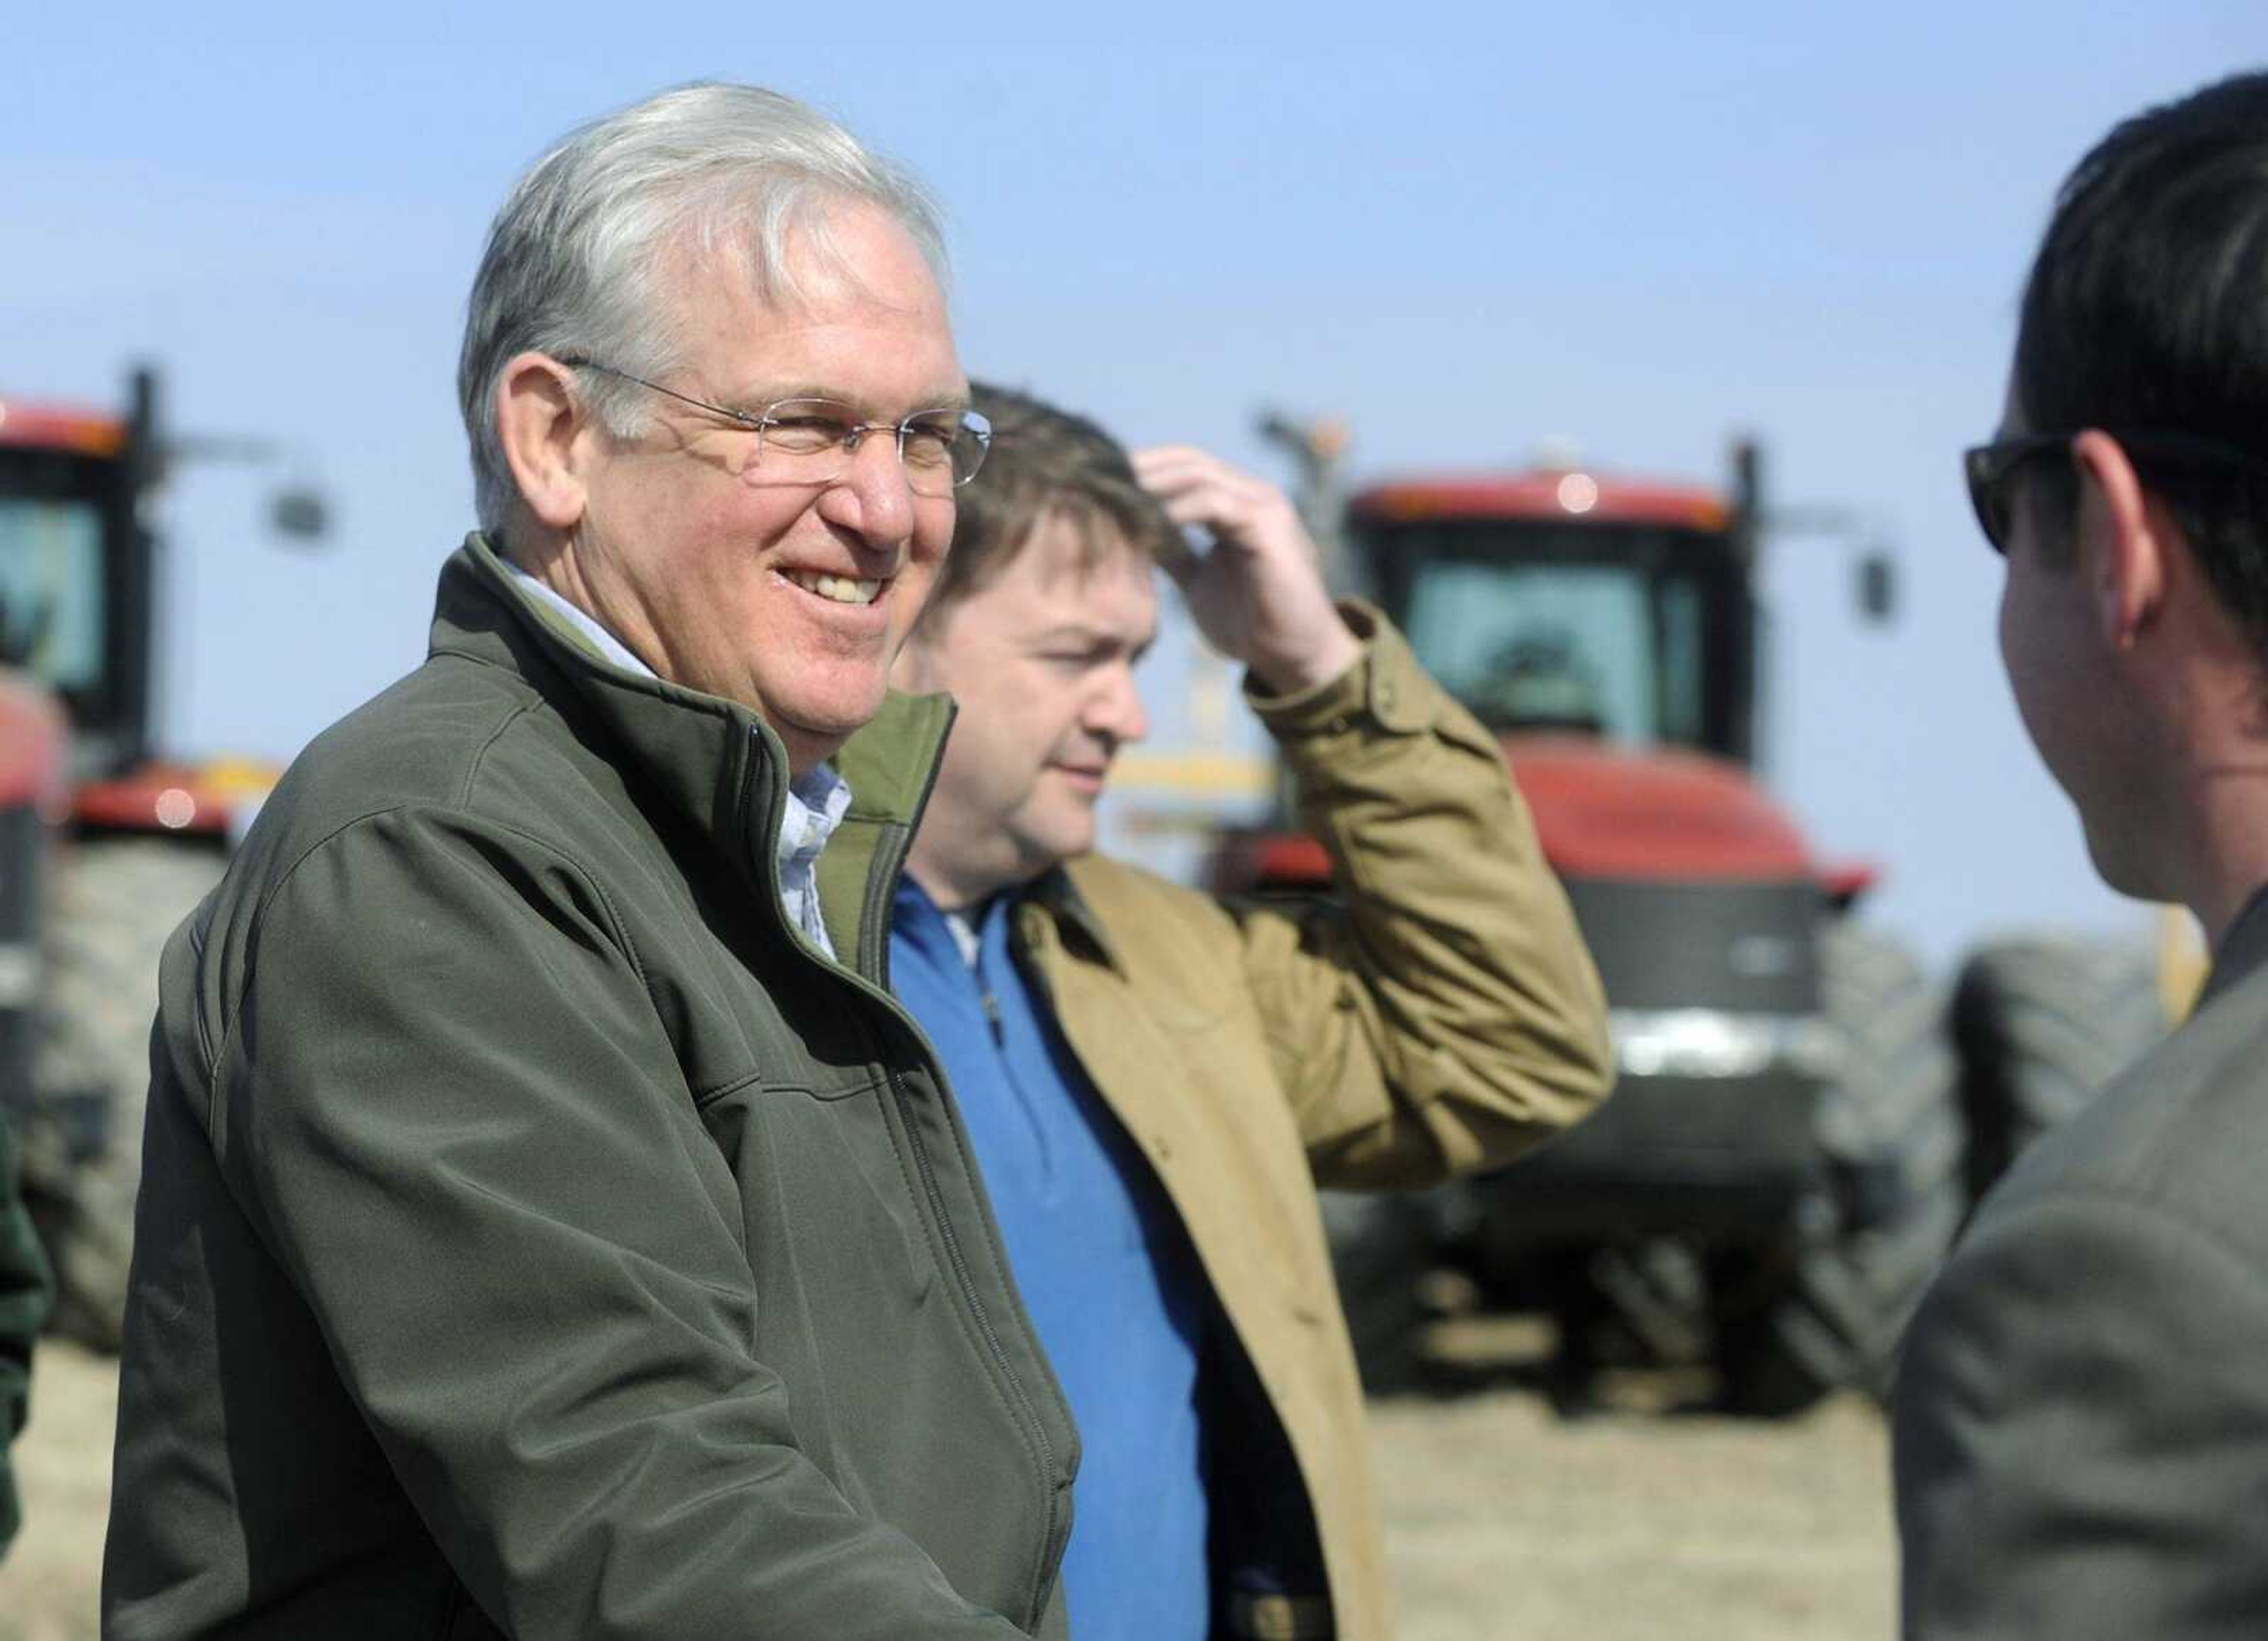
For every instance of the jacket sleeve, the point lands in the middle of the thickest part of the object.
(1442, 1012)
(447, 1097)
(25, 1294)
(2081, 1431)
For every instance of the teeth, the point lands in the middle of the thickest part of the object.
(841, 589)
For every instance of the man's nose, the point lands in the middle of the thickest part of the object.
(1117, 711)
(870, 496)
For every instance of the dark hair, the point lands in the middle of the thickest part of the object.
(2147, 308)
(1044, 463)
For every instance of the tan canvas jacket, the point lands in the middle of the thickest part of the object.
(1446, 1016)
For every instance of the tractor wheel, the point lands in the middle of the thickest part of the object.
(2042, 1026)
(1382, 1249)
(1827, 1310)
(1653, 1297)
(115, 902)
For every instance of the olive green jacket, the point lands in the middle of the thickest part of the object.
(1443, 1015)
(26, 1291)
(536, 1237)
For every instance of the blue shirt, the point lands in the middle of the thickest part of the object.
(1105, 1268)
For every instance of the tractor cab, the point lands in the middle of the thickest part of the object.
(69, 581)
(1558, 602)
(1778, 1141)
(1604, 630)
(78, 591)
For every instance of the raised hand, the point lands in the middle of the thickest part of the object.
(1257, 590)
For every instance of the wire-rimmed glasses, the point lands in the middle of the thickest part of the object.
(811, 441)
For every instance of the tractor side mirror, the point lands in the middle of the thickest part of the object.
(1877, 588)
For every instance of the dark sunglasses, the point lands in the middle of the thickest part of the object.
(1991, 469)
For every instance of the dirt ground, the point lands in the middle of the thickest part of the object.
(1644, 1521)
(1503, 1519)
(62, 1465)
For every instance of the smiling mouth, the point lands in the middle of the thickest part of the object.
(836, 589)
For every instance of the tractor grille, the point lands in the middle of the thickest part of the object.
(1742, 948)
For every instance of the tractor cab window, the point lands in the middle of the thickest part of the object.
(1619, 645)
(1541, 647)
(51, 590)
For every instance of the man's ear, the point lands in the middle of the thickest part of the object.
(2124, 539)
(539, 423)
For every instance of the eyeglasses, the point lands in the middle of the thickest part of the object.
(811, 441)
(1991, 469)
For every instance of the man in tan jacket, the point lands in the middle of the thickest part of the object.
(1153, 1081)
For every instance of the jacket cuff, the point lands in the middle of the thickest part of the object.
(1382, 692)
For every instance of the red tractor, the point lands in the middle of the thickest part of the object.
(106, 845)
(1780, 1167)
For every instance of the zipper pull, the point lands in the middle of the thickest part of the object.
(992, 1016)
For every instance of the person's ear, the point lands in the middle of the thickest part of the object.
(541, 424)
(2125, 538)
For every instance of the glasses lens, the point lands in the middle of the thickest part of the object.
(809, 441)
(1988, 493)
(929, 447)
(972, 442)
(943, 451)
(806, 433)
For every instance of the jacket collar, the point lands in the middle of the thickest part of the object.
(1056, 892)
(2244, 949)
(711, 759)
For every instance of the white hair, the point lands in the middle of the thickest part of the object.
(578, 258)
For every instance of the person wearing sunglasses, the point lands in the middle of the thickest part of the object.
(550, 1224)
(2081, 1411)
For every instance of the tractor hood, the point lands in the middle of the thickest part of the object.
(1658, 814)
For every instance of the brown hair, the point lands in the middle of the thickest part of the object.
(1044, 463)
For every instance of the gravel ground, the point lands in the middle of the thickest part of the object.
(1503, 1519)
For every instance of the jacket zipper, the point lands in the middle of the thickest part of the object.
(1059, 1528)
(889, 859)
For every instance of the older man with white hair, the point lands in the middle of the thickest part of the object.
(551, 1226)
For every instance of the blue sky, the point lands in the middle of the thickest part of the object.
(1642, 227)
